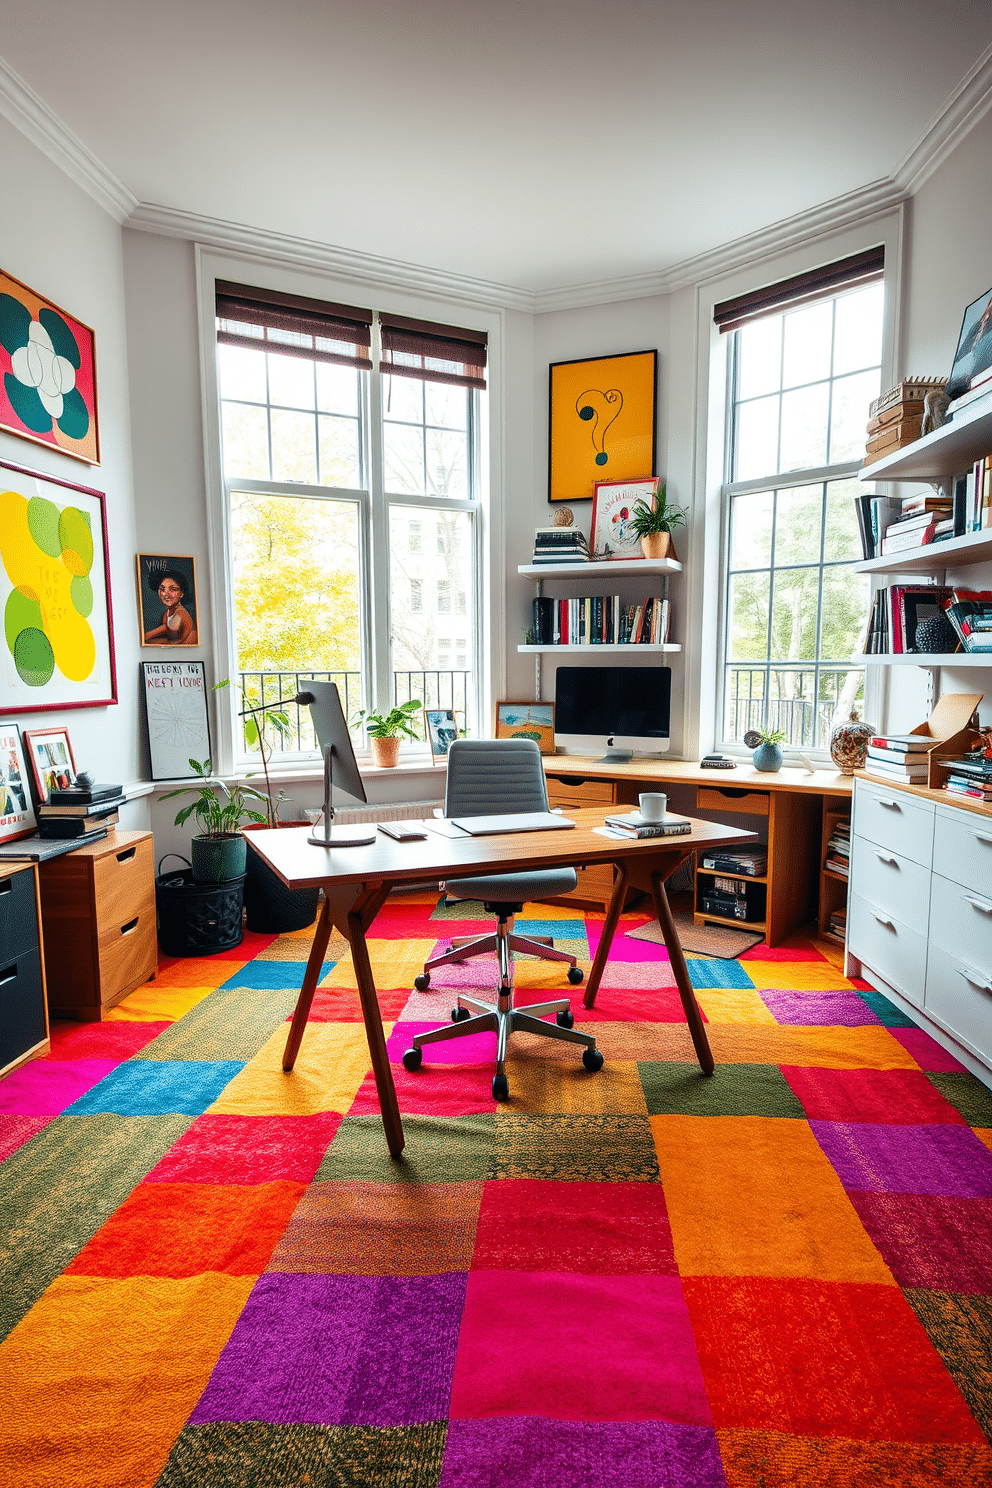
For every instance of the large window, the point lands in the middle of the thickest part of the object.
(800, 382)
(351, 469)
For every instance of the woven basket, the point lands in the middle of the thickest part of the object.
(196, 919)
(271, 908)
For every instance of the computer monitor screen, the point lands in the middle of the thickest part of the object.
(615, 711)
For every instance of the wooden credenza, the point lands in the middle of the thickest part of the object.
(98, 918)
(23, 1010)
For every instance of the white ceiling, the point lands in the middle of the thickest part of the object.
(531, 143)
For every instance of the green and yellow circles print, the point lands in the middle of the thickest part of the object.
(56, 632)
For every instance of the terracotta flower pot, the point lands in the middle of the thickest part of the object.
(656, 544)
(385, 752)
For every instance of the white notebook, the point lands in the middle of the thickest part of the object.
(518, 821)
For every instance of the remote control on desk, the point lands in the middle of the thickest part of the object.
(717, 762)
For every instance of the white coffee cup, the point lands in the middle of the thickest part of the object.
(654, 805)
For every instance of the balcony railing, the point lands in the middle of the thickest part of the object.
(805, 721)
(435, 689)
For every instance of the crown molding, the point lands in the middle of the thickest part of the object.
(344, 263)
(43, 127)
(967, 104)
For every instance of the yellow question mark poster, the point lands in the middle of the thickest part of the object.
(602, 422)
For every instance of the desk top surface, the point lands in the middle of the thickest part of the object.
(302, 865)
(660, 771)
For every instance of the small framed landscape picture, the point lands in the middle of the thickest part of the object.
(167, 600)
(50, 756)
(973, 357)
(17, 818)
(527, 721)
(612, 507)
(442, 731)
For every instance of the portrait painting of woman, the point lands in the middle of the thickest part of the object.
(167, 598)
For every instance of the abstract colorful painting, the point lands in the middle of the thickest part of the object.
(47, 373)
(58, 645)
(602, 424)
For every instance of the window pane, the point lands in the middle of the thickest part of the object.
(757, 439)
(246, 441)
(804, 427)
(840, 693)
(791, 706)
(338, 451)
(751, 530)
(291, 381)
(403, 448)
(794, 611)
(841, 542)
(426, 664)
(403, 398)
(849, 416)
(337, 389)
(242, 373)
(294, 454)
(858, 334)
(759, 349)
(747, 638)
(845, 611)
(806, 354)
(447, 463)
(744, 701)
(797, 525)
(446, 406)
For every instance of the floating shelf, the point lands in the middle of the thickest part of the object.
(953, 447)
(620, 568)
(931, 659)
(608, 648)
(954, 552)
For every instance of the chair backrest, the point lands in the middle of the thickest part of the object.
(488, 776)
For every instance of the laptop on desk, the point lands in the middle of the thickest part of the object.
(514, 821)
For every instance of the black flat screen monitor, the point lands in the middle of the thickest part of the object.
(613, 711)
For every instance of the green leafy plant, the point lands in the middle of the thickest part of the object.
(389, 725)
(771, 736)
(218, 810)
(254, 726)
(661, 517)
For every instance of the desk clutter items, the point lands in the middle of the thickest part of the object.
(919, 757)
(896, 416)
(600, 619)
(556, 546)
(634, 824)
(84, 810)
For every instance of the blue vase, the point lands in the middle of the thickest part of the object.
(768, 757)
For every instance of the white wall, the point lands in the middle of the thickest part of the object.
(65, 247)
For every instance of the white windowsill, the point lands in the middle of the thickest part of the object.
(308, 770)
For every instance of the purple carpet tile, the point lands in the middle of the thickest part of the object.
(907, 1159)
(927, 1240)
(819, 1009)
(927, 1052)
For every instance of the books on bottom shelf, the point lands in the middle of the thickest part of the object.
(968, 786)
(633, 824)
(81, 827)
(600, 619)
(752, 861)
(837, 924)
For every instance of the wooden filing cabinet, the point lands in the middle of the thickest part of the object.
(98, 915)
(595, 885)
(23, 1010)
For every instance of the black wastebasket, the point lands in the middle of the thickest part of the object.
(197, 919)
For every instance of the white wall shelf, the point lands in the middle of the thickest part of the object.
(953, 552)
(931, 659)
(601, 647)
(936, 457)
(615, 568)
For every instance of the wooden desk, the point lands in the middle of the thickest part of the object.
(356, 882)
(791, 801)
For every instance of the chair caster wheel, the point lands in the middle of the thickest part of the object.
(565, 1019)
(414, 1058)
(459, 1014)
(501, 1090)
(575, 975)
(423, 981)
(591, 1058)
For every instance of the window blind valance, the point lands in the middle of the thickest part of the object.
(787, 294)
(266, 320)
(435, 353)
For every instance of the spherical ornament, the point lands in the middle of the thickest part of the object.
(752, 739)
(849, 745)
(563, 517)
(935, 635)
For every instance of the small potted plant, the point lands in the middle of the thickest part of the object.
(218, 852)
(384, 730)
(765, 742)
(655, 524)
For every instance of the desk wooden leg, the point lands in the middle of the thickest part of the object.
(388, 1103)
(606, 938)
(693, 1017)
(310, 979)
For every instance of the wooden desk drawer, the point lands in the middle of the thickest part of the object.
(891, 818)
(888, 947)
(961, 920)
(959, 998)
(962, 848)
(712, 798)
(127, 955)
(891, 882)
(123, 884)
(583, 793)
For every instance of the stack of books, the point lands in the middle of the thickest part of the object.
(970, 613)
(970, 777)
(752, 861)
(837, 924)
(82, 812)
(633, 824)
(894, 418)
(838, 858)
(897, 610)
(557, 545)
(899, 757)
(980, 384)
(922, 519)
(973, 497)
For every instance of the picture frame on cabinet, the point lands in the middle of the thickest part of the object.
(601, 422)
(17, 818)
(612, 507)
(53, 764)
(527, 720)
(47, 373)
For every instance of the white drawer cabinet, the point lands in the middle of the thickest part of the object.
(892, 882)
(891, 818)
(892, 948)
(959, 998)
(961, 921)
(962, 848)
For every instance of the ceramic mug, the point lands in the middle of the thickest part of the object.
(653, 806)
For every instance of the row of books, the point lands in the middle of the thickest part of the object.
(599, 619)
(633, 824)
(84, 813)
(555, 546)
(970, 613)
(838, 856)
(837, 924)
(887, 524)
(970, 777)
(896, 612)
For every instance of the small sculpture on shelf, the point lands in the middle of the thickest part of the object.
(934, 411)
(563, 517)
(849, 742)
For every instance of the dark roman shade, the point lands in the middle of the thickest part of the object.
(266, 320)
(436, 353)
(787, 294)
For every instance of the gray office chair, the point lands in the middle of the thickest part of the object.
(486, 776)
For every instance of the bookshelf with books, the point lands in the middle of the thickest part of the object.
(595, 621)
(835, 854)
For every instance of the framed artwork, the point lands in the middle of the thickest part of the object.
(17, 818)
(974, 353)
(176, 710)
(47, 373)
(612, 505)
(167, 600)
(52, 762)
(442, 731)
(601, 422)
(58, 640)
(527, 721)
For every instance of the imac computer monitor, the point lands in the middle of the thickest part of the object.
(340, 767)
(613, 711)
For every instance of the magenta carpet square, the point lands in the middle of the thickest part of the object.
(471, 1049)
(928, 1054)
(927, 1240)
(46, 1087)
(16, 1130)
(907, 1159)
(434, 1090)
(841, 1009)
(530, 1452)
(888, 1097)
(542, 1338)
(339, 1351)
(623, 948)
(527, 1224)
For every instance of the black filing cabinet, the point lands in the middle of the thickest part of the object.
(23, 1009)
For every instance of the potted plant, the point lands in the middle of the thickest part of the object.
(218, 853)
(765, 742)
(655, 524)
(384, 730)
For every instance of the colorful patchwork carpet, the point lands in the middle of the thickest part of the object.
(214, 1275)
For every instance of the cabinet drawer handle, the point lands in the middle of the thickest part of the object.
(126, 855)
(983, 837)
(131, 925)
(892, 805)
(980, 904)
(883, 921)
(973, 980)
(9, 975)
(893, 862)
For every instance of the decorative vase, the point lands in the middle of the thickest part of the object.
(936, 635)
(218, 859)
(656, 544)
(849, 744)
(385, 752)
(768, 757)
